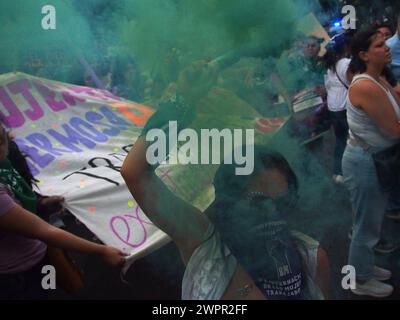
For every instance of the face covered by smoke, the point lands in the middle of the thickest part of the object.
(256, 231)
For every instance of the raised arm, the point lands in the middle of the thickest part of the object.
(184, 223)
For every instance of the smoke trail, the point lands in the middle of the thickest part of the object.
(205, 28)
(23, 39)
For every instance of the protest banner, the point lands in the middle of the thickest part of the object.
(77, 138)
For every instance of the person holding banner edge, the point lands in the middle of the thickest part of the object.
(24, 237)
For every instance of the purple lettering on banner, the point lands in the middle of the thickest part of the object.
(33, 153)
(49, 97)
(71, 139)
(126, 237)
(41, 141)
(94, 117)
(22, 87)
(15, 119)
(78, 123)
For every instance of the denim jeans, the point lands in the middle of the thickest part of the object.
(368, 202)
(341, 129)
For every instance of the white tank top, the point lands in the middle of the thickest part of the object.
(362, 126)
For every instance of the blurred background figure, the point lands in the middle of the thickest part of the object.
(386, 30)
(126, 79)
(394, 45)
(337, 82)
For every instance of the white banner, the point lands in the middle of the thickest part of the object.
(77, 139)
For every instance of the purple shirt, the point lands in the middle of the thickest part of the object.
(17, 253)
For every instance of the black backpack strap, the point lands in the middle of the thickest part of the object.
(341, 81)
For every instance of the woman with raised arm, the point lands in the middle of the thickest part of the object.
(241, 247)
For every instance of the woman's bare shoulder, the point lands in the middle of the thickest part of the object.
(364, 90)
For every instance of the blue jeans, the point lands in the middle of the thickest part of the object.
(341, 129)
(368, 202)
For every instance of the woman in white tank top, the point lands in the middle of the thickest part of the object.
(373, 116)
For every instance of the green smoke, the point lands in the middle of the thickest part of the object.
(203, 29)
(23, 39)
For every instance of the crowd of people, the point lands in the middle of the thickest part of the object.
(242, 246)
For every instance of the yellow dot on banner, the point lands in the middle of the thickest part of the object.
(115, 149)
(92, 209)
(131, 204)
(40, 182)
(33, 126)
(57, 172)
(61, 118)
(98, 128)
(57, 144)
(94, 109)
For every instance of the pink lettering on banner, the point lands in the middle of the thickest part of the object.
(110, 95)
(15, 118)
(96, 93)
(47, 90)
(23, 87)
(71, 99)
(49, 97)
(129, 221)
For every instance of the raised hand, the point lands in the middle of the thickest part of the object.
(196, 80)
